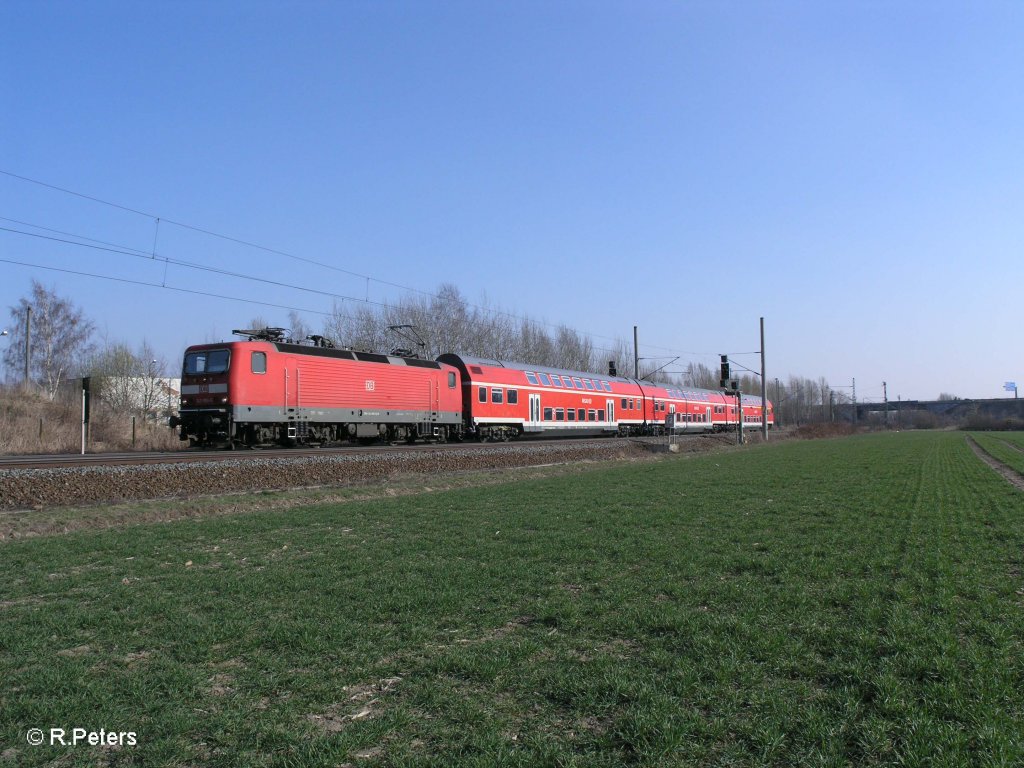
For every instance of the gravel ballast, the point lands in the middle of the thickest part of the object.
(43, 488)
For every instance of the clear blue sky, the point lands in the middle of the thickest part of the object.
(853, 172)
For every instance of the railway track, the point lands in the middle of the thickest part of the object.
(73, 460)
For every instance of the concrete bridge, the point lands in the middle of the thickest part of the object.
(944, 411)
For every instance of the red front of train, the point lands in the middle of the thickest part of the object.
(262, 392)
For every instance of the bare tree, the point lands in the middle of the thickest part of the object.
(575, 351)
(60, 337)
(363, 328)
(298, 327)
(700, 376)
(129, 381)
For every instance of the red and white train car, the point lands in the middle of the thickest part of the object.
(503, 399)
(265, 391)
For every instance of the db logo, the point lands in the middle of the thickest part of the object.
(370, 385)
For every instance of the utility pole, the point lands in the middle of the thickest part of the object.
(739, 406)
(636, 356)
(28, 342)
(764, 390)
(855, 402)
(732, 387)
(778, 401)
(885, 399)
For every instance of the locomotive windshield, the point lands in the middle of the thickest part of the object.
(207, 361)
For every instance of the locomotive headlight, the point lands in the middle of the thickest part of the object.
(223, 399)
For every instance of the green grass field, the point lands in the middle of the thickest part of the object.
(836, 602)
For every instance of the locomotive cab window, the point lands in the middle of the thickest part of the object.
(259, 362)
(207, 361)
(451, 380)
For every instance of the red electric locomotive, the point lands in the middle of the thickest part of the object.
(270, 390)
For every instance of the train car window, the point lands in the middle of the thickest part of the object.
(567, 381)
(451, 380)
(532, 378)
(497, 395)
(607, 386)
(571, 413)
(559, 414)
(582, 414)
(600, 415)
(513, 397)
(207, 361)
(578, 382)
(588, 384)
(556, 379)
(625, 403)
(259, 362)
(592, 415)
(545, 380)
(547, 414)
(483, 394)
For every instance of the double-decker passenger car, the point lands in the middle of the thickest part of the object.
(503, 399)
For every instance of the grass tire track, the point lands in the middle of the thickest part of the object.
(1014, 477)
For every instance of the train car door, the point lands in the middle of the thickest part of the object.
(534, 422)
(611, 412)
(291, 387)
(292, 396)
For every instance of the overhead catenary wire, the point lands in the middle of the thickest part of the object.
(166, 287)
(278, 252)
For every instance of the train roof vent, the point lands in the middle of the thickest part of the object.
(476, 369)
